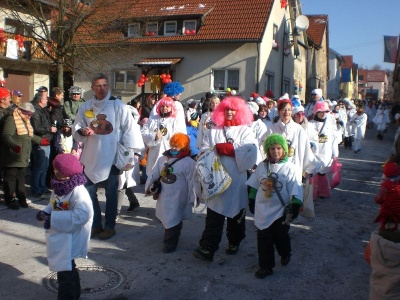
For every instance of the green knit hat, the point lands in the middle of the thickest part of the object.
(275, 138)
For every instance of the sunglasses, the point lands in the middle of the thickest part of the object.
(300, 113)
(75, 94)
(313, 94)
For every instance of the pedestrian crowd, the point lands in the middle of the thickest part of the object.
(271, 157)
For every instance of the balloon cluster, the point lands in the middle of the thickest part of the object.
(2, 37)
(188, 32)
(269, 94)
(150, 33)
(165, 78)
(20, 41)
(230, 92)
(142, 80)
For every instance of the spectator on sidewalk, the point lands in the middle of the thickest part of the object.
(17, 136)
(72, 104)
(16, 97)
(41, 124)
(100, 124)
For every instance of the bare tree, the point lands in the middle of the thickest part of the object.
(64, 29)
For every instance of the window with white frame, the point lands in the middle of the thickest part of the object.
(170, 27)
(133, 29)
(189, 27)
(225, 79)
(152, 28)
(269, 81)
(125, 80)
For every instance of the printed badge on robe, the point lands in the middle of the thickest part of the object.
(101, 125)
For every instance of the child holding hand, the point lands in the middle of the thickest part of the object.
(68, 222)
(275, 189)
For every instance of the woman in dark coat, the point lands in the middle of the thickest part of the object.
(16, 138)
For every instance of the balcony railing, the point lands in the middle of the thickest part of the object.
(36, 53)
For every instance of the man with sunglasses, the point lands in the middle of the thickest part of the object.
(72, 105)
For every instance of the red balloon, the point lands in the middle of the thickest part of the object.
(165, 80)
(143, 76)
(193, 31)
(146, 79)
(187, 31)
(168, 76)
(141, 80)
(162, 76)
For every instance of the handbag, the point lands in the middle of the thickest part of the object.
(214, 179)
(125, 158)
(336, 173)
(307, 211)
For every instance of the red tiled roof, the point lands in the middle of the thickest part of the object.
(347, 62)
(223, 20)
(316, 29)
(376, 75)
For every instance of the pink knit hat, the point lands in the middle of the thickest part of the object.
(67, 164)
(321, 106)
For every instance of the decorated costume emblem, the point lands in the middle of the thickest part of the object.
(101, 125)
(290, 149)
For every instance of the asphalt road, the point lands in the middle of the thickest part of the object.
(327, 252)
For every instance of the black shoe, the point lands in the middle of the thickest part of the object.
(132, 207)
(23, 203)
(13, 204)
(262, 273)
(203, 253)
(285, 260)
(232, 249)
(169, 248)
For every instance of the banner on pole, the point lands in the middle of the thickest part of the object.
(390, 48)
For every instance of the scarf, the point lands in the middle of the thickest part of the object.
(22, 126)
(181, 154)
(63, 187)
(231, 123)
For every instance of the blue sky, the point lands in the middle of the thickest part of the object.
(357, 27)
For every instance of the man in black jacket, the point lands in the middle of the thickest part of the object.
(40, 153)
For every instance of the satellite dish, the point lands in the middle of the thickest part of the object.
(302, 23)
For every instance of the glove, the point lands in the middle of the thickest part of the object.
(44, 142)
(252, 203)
(42, 215)
(17, 149)
(46, 224)
(225, 149)
(295, 210)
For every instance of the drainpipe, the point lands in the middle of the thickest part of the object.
(258, 68)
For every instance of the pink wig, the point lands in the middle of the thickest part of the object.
(243, 114)
(167, 101)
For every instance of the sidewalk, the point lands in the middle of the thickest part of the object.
(327, 253)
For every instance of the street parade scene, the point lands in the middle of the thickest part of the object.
(167, 159)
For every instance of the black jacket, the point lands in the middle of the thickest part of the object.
(41, 122)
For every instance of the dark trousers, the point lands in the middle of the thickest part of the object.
(131, 196)
(212, 234)
(14, 184)
(276, 234)
(171, 236)
(69, 285)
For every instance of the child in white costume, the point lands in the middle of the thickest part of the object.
(359, 124)
(174, 172)
(68, 222)
(273, 182)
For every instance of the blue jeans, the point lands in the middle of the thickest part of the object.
(111, 188)
(41, 156)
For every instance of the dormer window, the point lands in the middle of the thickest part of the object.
(189, 27)
(170, 28)
(151, 29)
(133, 29)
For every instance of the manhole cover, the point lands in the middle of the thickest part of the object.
(94, 280)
